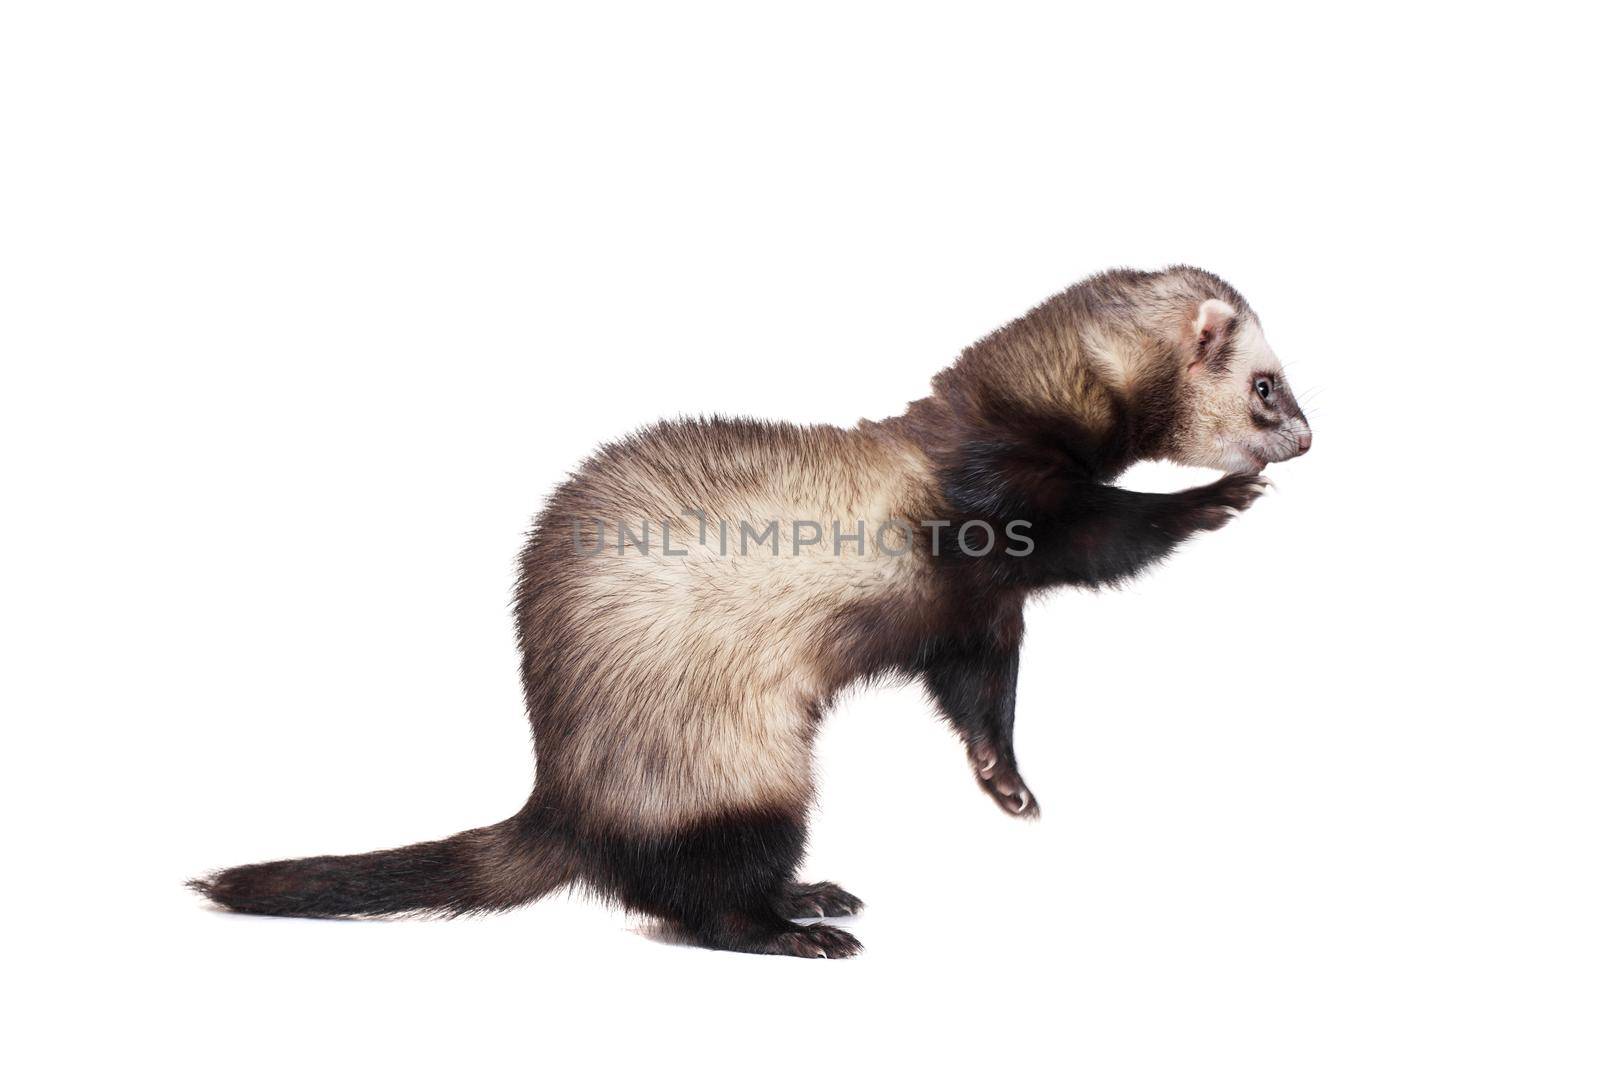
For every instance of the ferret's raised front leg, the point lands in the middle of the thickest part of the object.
(1103, 535)
(973, 680)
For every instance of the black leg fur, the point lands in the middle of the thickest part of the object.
(972, 677)
(725, 883)
(1108, 535)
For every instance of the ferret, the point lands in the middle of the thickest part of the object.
(693, 599)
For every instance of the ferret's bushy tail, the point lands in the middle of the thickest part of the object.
(486, 869)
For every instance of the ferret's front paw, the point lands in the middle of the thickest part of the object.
(1002, 782)
(1212, 506)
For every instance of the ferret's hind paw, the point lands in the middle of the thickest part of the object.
(818, 900)
(818, 941)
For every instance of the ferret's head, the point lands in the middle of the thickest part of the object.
(1235, 409)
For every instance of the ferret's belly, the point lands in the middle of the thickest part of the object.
(702, 674)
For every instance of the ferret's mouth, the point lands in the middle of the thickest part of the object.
(1254, 460)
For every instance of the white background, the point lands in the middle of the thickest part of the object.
(306, 307)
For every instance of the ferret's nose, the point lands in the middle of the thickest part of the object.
(1304, 441)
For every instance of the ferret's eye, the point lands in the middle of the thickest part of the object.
(1264, 388)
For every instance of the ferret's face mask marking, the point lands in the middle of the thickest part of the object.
(1239, 412)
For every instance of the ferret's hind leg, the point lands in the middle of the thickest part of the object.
(774, 936)
(724, 882)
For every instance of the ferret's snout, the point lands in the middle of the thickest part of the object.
(1303, 440)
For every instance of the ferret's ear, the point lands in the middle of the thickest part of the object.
(1210, 325)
